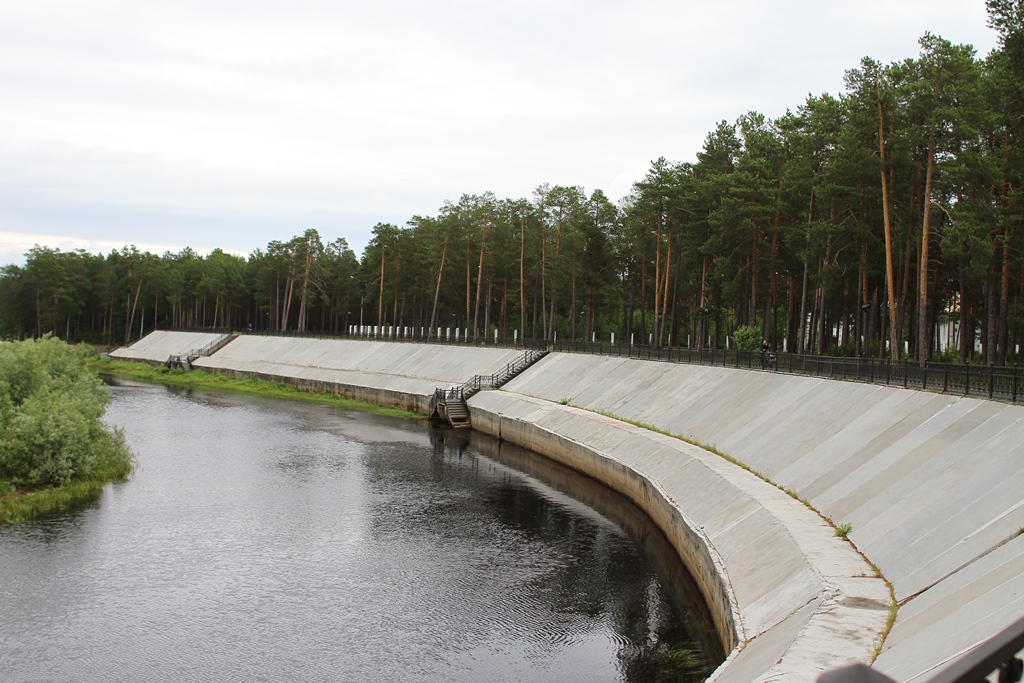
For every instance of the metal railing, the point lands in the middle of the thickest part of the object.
(211, 348)
(998, 654)
(985, 381)
(497, 379)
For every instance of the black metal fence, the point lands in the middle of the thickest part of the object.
(984, 381)
(997, 655)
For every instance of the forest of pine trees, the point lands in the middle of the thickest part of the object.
(885, 221)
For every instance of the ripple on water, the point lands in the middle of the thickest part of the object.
(261, 540)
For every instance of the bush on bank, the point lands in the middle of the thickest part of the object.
(52, 437)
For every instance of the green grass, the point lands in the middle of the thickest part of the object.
(843, 530)
(198, 379)
(889, 621)
(18, 505)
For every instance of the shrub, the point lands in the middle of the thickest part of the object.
(51, 409)
(747, 338)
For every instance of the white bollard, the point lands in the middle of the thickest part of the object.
(613, 339)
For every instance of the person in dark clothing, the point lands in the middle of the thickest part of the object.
(766, 354)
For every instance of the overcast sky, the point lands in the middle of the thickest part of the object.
(230, 124)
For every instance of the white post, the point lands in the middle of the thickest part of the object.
(593, 337)
(447, 333)
(650, 338)
(515, 336)
(555, 340)
(783, 344)
(631, 335)
(495, 335)
(613, 339)
(456, 335)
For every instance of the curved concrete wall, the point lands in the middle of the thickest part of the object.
(930, 483)
(790, 600)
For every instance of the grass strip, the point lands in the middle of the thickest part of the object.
(206, 381)
(17, 505)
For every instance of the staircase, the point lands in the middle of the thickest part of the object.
(450, 404)
(184, 360)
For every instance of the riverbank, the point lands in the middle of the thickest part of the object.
(55, 449)
(201, 380)
(18, 505)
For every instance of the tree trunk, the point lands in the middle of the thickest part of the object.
(894, 330)
(802, 322)
(479, 284)
(522, 275)
(923, 337)
(437, 290)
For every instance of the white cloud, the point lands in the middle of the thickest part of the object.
(184, 122)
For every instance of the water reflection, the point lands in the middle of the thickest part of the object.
(273, 540)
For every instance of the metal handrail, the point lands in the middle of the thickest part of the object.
(210, 348)
(985, 381)
(998, 653)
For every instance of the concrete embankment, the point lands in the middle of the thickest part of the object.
(790, 599)
(384, 373)
(157, 346)
(928, 483)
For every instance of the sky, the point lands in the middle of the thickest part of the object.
(223, 123)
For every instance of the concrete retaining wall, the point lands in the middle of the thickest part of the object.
(790, 600)
(931, 484)
(384, 373)
(157, 346)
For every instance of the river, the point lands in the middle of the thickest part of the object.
(281, 541)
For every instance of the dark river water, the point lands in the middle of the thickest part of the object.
(264, 540)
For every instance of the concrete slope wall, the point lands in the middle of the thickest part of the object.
(931, 484)
(385, 373)
(156, 346)
(790, 600)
